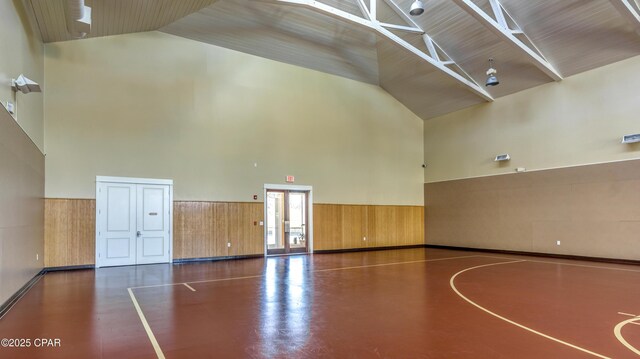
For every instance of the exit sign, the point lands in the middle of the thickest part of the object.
(290, 179)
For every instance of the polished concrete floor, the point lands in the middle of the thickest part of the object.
(413, 303)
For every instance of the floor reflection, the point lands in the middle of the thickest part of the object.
(286, 314)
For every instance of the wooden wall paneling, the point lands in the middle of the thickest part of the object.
(69, 232)
(382, 226)
(255, 232)
(409, 225)
(203, 229)
(327, 226)
(193, 234)
(234, 221)
(221, 230)
(354, 226)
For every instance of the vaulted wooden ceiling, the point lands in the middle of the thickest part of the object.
(434, 63)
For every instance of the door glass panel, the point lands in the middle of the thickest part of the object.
(297, 220)
(275, 220)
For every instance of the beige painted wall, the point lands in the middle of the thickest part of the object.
(577, 121)
(154, 105)
(21, 52)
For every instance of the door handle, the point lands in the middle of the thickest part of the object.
(138, 234)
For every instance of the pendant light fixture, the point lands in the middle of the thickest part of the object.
(417, 8)
(492, 79)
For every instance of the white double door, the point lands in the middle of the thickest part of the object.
(132, 224)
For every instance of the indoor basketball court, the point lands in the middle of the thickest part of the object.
(319, 179)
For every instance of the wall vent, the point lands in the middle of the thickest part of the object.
(504, 157)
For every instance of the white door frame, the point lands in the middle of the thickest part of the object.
(133, 180)
(287, 187)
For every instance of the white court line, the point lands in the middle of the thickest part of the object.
(566, 264)
(152, 338)
(390, 264)
(453, 286)
(188, 286)
(618, 333)
(315, 271)
(628, 315)
(146, 326)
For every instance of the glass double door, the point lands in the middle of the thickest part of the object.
(287, 218)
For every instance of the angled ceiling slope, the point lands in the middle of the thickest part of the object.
(434, 63)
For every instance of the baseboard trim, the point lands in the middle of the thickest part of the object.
(9, 303)
(215, 259)
(366, 249)
(65, 268)
(538, 254)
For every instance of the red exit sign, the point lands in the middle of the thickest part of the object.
(290, 179)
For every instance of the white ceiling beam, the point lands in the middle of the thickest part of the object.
(373, 9)
(413, 30)
(497, 12)
(375, 26)
(363, 9)
(507, 35)
(630, 13)
(431, 47)
(474, 87)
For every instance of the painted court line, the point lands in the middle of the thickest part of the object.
(319, 270)
(617, 331)
(152, 337)
(566, 264)
(389, 264)
(453, 286)
(146, 326)
(628, 315)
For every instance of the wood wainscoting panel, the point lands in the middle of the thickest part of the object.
(69, 234)
(339, 226)
(354, 233)
(193, 234)
(245, 233)
(327, 226)
(204, 229)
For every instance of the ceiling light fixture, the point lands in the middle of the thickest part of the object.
(25, 85)
(417, 8)
(492, 79)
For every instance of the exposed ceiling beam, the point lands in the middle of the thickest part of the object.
(631, 13)
(375, 26)
(363, 9)
(414, 30)
(401, 13)
(500, 27)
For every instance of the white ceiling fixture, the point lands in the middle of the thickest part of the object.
(417, 8)
(372, 24)
(500, 26)
(630, 9)
(78, 17)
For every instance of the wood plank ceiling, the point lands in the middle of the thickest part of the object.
(572, 36)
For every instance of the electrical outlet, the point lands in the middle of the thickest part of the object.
(364, 238)
(229, 244)
(558, 243)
